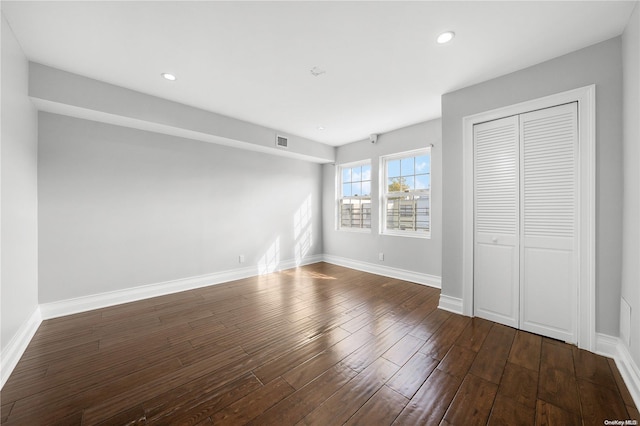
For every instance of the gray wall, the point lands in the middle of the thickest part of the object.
(19, 261)
(600, 64)
(61, 92)
(120, 207)
(631, 150)
(411, 254)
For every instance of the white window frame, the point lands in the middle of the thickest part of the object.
(340, 197)
(384, 195)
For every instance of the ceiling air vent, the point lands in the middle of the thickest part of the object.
(282, 142)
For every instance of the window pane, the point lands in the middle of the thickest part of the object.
(356, 188)
(393, 168)
(393, 213)
(356, 174)
(407, 166)
(355, 213)
(423, 164)
(366, 188)
(366, 172)
(366, 213)
(345, 214)
(423, 181)
(409, 182)
(401, 214)
(346, 175)
(393, 184)
(346, 190)
(422, 214)
(400, 184)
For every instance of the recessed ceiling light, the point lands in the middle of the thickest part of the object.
(445, 37)
(168, 76)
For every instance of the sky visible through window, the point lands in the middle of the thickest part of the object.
(356, 181)
(413, 172)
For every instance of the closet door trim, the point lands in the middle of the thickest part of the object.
(585, 97)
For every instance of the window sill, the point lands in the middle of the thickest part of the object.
(356, 230)
(407, 235)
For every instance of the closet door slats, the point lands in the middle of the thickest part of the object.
(496, 220)
(525, 218)
(548, 262)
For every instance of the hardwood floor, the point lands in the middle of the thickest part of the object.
(321, 345)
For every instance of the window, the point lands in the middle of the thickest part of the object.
(406, 193)
(354, 204)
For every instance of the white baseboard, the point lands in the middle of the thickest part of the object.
(386, 271)
(614, 348)
(102, 300)
(12, 353)
(606, 345)
(451, 304)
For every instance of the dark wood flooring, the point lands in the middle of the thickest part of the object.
(320, 345)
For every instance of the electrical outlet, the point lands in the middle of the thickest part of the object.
(380, 256)
(241, 258)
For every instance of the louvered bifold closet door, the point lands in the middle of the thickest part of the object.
(496, 225)
(548, 262)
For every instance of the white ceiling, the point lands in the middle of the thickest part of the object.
(252, 60)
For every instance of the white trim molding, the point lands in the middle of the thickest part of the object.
(12, 353)
(450, 303)
(103, 300)
(386, 271)
(614, 348)
(585, 97)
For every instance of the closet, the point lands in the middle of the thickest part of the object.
(526, 221)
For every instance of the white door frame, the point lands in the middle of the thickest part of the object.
(585, 96)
